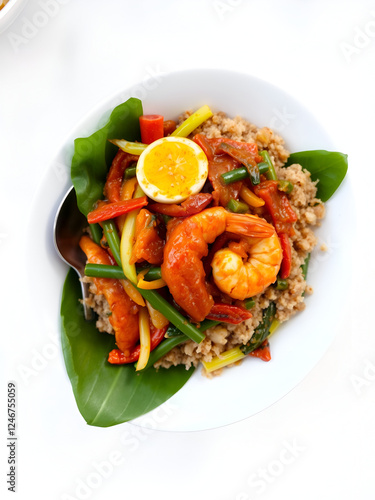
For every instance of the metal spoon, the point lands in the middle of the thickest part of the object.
(67, 230)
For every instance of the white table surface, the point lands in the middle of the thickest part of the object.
(58, 60)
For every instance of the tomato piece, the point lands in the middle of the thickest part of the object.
(286, 263)
(108, 211)
(263, 352)
(277, 204)
(191, 206)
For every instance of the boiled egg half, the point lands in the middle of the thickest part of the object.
(171, 169)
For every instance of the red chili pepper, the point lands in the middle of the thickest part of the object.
(286, 264)
(229, 314)
(117, 357)
(109, 210)
(191, 206)
(112, 187)
(262, 352)
(152, 128)
(277, 203)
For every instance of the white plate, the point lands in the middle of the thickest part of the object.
(300, 343)
(10, 12)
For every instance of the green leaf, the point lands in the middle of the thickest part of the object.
(327, 166)
(93, 154)
(107, 394)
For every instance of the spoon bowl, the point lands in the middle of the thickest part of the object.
(67, 230)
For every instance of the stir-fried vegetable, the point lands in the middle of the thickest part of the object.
(250, 198)
(192, 122)
(237, 206)
(152, 128)
(144, 338)
(271, 173)
(110, 210)
(127, 237)
(262, 330)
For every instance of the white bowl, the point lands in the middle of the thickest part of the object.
(298, 344)
(10, 12)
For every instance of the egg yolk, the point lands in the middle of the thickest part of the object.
(173, 168)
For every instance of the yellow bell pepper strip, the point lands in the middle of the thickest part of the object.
(133, 148)
(250, 198)
(133, 292)
(127, 240)
(149, 285)
(156, 317)
(144, 339)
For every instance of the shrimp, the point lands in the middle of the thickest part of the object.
(187, 243)
(242, 274)
(124, 317)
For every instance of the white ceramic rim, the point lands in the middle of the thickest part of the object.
(254, 385)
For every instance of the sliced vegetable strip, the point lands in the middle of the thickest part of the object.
(286, 264)
(110, 210)
(132, 292)
(213, 146)
(112, 187)
(225, 359)
(271, 173)
(244, 157)
(113, 240)
(277, 203)
(174, 316)
(192, 122)
(156, 317)
(144, 338)
(104, 271)
(228, 314)
(117, 357)
(133, 148)
(250, 198)
(191, 206)
(127, 237)
(149, 285)
(152, 128)
(261, 332)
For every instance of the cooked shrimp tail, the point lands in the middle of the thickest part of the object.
(248, 225)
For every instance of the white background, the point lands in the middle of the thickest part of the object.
(56, 66)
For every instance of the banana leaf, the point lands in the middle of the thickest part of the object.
(108, 394)
(329, 167)
(93, 155)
